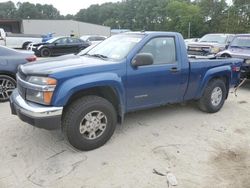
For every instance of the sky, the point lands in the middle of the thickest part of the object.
(66, 6)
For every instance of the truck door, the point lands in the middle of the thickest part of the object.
(159, 83)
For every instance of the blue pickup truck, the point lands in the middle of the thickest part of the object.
(87, 94)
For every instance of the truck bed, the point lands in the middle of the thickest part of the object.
(200, 67)
(23, 35)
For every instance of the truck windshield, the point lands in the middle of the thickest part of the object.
(243, 41)
(116, 47)
(214, 38)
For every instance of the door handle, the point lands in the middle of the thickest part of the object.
(174, 69)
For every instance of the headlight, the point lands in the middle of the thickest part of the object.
(215, 50)
(247, 61)
(41, 89)
(41, 80)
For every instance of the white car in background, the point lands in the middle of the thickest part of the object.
(93, 39)
(18, 40)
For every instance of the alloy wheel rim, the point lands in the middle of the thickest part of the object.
(93, 125)
(46, 53)
(216, 96)
(6, 88)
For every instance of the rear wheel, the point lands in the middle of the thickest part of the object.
(25, 45)
(213, 97)
(89, 122)
(45, 52)
(7, 85)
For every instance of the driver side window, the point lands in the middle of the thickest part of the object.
(162, 50)
(62, 41)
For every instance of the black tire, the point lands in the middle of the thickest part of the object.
(45, 52)
(25, 45)
(76, 113)
(7, 85)
(206, 103)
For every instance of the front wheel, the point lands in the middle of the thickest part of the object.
(7, 85)
(89, 122)
(213, 97)
(45, 52)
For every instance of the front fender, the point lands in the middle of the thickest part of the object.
(69, 87)
(217, 72)
(223, 52)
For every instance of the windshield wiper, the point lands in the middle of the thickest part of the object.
(98, 56)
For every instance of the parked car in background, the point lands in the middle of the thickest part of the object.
(87, 95)
(209, 44)
(86, 50)
(10, 59)
(187, 41)
(93, 39)
(17, 40)
(59, 46)
(239, 48)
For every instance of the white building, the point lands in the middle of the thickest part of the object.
(59, 27)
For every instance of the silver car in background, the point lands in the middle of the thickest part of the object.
(93, 39)
(239, 48)
(209, 44)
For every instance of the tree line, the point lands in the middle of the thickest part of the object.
(198, 16)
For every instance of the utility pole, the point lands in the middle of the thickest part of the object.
(189, 29)
(228, 20)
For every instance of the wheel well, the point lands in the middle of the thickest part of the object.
(226, 55)
(44, 48)
(8, 74)
(25, 43)
(225, 80)
(106, 92)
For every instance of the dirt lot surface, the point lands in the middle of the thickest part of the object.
(201, 150)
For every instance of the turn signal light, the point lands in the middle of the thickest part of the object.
(51, 81)
(47, 97)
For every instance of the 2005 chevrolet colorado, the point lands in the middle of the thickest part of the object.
(87, 94)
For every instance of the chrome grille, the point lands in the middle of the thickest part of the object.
(198, 50)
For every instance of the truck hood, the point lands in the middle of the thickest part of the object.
(62, 63)
(205, 44)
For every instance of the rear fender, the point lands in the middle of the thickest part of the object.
(223, 72)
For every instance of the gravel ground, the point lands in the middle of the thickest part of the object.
(201, 150)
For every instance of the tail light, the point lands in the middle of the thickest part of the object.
(31, 58)
(235, 68)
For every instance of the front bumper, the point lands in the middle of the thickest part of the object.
(37, 115)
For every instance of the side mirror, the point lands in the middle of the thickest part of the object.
(142, 59)
(226, 47)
